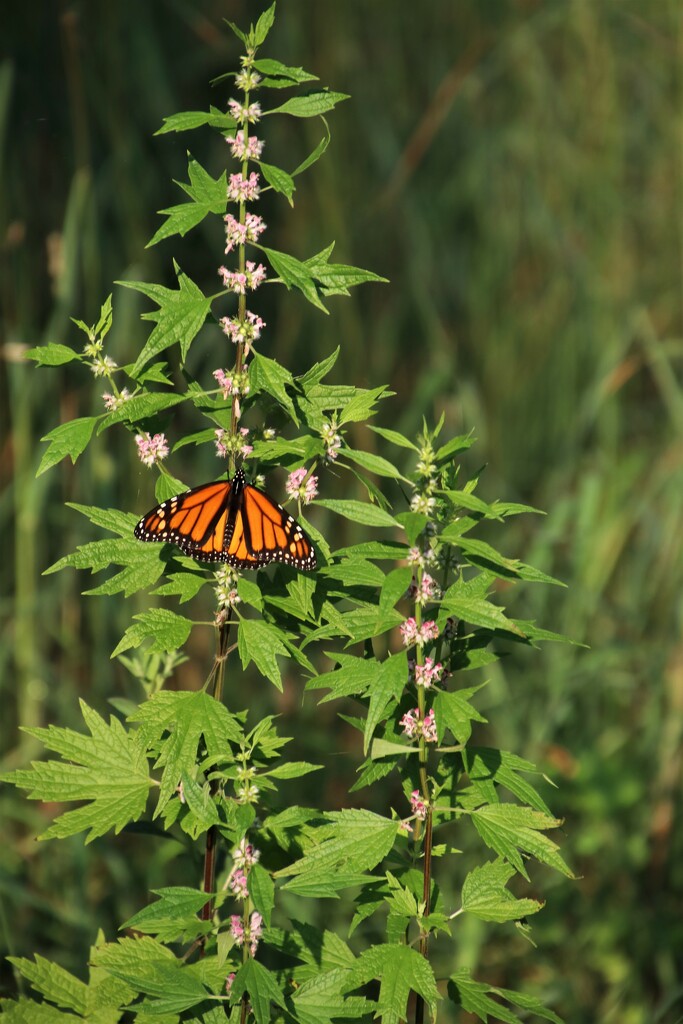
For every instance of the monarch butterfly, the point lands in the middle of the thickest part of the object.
(229, 521)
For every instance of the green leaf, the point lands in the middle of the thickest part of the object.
(261, 643)
(293, 770)
(140, 407)
(484, 894)
(473, 996)
(353, 676)
(358, 512)
(185, 719)
(454, 447)
(320, 1000)
(173, 917)
(315, 155)
(478, 611)
(357, 841)
(277, 70)
(52, 354)
(262, 891)
(278, 179)
(398, 969)
(186, 120)
(207, 194)
(391, 678)
(508, 828)
(150, 968)
(68, 439)
(294, 273)
(166, 629)
(26, 1011)
(263, 26)
(262, 988)
(53, 981)
(180, 316)
(310, 106)
(362, 405)
(394, 437)
(203, 812)
(108, 769)
(453, 711)
(487, 767)
(185, 585)
(267, 375)
(373, 463)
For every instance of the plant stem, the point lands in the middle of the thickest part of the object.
(212, 834)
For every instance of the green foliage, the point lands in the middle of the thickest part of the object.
(214, 776)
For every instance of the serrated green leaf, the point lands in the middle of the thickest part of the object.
(478, 611)
(186, 120)
(454, 447)
(310, 106)
(207, 194)
(68, 439)
(394, 437)
(166, 629)
(278, 179)
(261, 643)
(358, 840)
(487, 767)
(508, 829)
(262, 988)
(173, 917)
(453, 711)
(268, 375)
(373, 463)
(391, 678)
(484, 894)
(398, 969)
(52, 354)
(358, 512)
(180, 316)
(266, 66)
(184, 720)
(315, 155)
(263, 26)
(262, 891)
(353, 676)
(108, 769)
(150, 968)
(294, 274)
(52, 981)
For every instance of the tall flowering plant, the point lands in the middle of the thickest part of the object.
(391, 624)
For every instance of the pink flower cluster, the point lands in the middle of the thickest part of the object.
(236, 384)
(251, 934)
(151, 449)
(243, 190)
(244, 331)
(238, 884)
(241, 113)
(426, 590)
(331, 439)
(428, 673)
(241, 150)
(240, 234)
(244, 855)
(296, 488)
(235, 443)
(239, 283)
(413, 726)
(114, 402)
(417, 804)
(411, 633)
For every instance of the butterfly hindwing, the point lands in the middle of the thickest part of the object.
(229, 521)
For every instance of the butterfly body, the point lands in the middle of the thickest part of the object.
(229, 521)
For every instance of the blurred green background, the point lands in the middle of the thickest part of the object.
(514, 167)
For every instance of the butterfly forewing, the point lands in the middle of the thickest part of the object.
(229, 522)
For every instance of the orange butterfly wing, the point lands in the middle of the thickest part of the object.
(229, 522)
